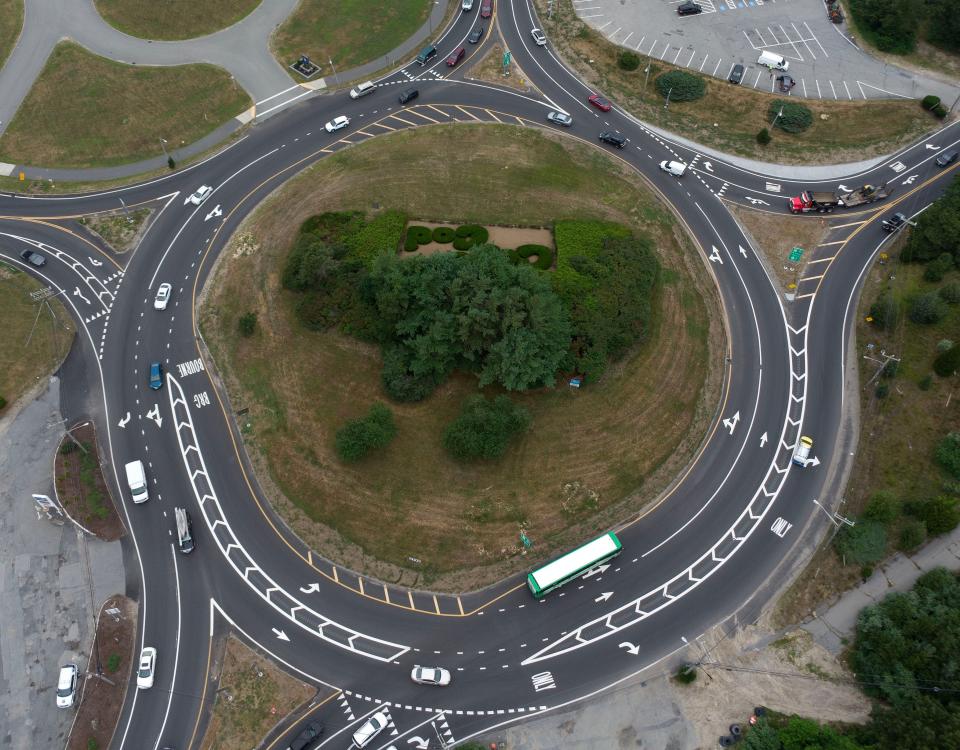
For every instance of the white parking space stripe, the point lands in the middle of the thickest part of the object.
(817, 40)
(804, 84)
(601, 28)
(614, 33)
(692, 53)
(800, 37)
(818, 88)
(796, 49)
(861, 90)
(650, 51)
(849, 95)
(759, 72)
(718, 65)
(640, 42)
(833, 90)
(705, 57)
(678, 55)
(624, 42)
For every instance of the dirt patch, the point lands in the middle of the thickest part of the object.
(120, 231)
(112, 657)
(506, 237)
(490, 69)
(792, 675)
(253, 697)
(81, 488)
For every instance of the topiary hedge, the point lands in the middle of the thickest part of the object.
(416, 236)
(544, 255)
(681, 86)
(469, 235)
(791, 117)
(444, 235)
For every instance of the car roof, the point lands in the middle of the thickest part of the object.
(67, 672)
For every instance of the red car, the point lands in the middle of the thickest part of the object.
(597, 101)
(456, 57)
(486, 8)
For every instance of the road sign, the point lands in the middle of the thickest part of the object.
(506, 59)
(526, 540)
(796, 254)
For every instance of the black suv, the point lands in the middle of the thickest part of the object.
(736, 74)
(310, 732)
(893, 223)
(689, 9)
(613, 138)
(409, 95)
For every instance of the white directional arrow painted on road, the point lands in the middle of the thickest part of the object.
(932, 147)
(280, 634)
(419, 743)
(632, 648)
(763, 440)
(154, 414)
(813, 461)
(715, 256)
(123, 422)
(708, 166)
(311, 589)
(910, 180)
(593, 572)
(76, 293)
(604, 596)
(756, 201)
(843, 188)
(743, 251)
(95, 262)
(731, 423)
(216, 212)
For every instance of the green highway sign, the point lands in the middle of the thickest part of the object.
(796, 254)
(506, 59)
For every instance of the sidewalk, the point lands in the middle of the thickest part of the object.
(832, 627)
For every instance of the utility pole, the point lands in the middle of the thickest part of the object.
(163, 145)
(882, 363)
(42, 297)
(667, 103)
(336, 78)
(647, 77)
(776, 117)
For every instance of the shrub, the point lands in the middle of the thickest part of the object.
(929, 101)
(67, 447)
(484, 428)
(686, 674)
(444, 235)
(884, 507)
(947, 454)
(885, 311)
(927, 309)
(247, 323)
(913, 533)
(368, 240)
(940, 515)
(890, 369)
(950, 293)
(681, 86)
(948, 362)
(925, 382)
(940, 111)
(882, 390)
(791, 117)
(400, 383)
(628, 60)
(416, 236)
(763, 137)
(862, 544)
(469, 235)
(944, 345)
(544, 255)
(113, 662)
(938, 268)
(360, 436)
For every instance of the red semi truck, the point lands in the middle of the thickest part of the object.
(824, 203)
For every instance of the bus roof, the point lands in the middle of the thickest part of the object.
(574, 560)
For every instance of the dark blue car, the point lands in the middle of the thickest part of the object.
(156, 376)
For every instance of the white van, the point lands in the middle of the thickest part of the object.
(676, 168)
(367, 87)
(137, 481)
(771, 60)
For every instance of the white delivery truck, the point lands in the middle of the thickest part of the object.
(137, 481)
(771, 60)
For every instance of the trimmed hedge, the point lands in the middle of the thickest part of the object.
(544, 255)
(469, 235)
(444, 235)
(682, 86)
(416, 236)
(795, 118)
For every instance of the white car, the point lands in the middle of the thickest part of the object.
(538, 37)
(336, 123)
(148, 662)
(676, 168)
(67, 685)
(370, 729)
(430, 676)
(163, 296)
(203, 192)
(801, 454)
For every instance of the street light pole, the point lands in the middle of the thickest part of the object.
(336, 78)
(163, 145)
(776, 117)
(667, 103)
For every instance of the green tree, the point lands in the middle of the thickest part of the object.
(762, 736)
(938, 267)
(884, 507)
(943, 28)
(357, 438)
(484, 428)
(948, 454)
(891, 25)
(927, 309)
(681, 86)
(628, 60)
(885, 311)
(940, 515)
(947, 362)
(937, 230)
(913, 533)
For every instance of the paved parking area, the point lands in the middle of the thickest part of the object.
(823, 59)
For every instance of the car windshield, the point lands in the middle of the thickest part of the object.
(64, 691)
(145, 669)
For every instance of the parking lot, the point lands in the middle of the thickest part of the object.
(824, 61)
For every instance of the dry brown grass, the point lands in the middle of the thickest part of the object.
(624, 437)
(11, 21)
(728, 117)
(490, 68)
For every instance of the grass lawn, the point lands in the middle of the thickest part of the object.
(21, 366)
(729, 117)
(173, 19)
(351, 32)
(623, 438)
(898, 433)
(11, 21)
(87, 111)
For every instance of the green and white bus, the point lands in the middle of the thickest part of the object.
(575, 563)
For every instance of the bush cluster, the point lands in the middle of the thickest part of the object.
(795, 117)
(358, 437)
(938, 268)
(948, 362)
(927, 308)
(444, 235)
(948, 454)
(894, 25)
(681, 86)
(484, 428)
(247, 323)
(628, 60)
(862, 544)
(763, 137)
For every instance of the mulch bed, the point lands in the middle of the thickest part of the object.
(81, 488)
(101, 702)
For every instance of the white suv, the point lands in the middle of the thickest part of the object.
(370, 729)
(67, 685)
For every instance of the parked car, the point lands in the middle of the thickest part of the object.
(409, 95)
(538, 37)
(893, 223)
(456, 56)
(370, 729)
(560, 118)
(476, 35)
(689, 8)
(430, 676)
(613, 138)
(148, 662)
(785, 83)
(34, 259)
(336, 123)
(801, 454)
(946, 158)
(156, 376)
(486, 8)
(163, 296)
(599, 102)
(736, 74)
(203, 192)
(67, 685)
(308, 734)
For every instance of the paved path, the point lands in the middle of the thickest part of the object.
(49, 598)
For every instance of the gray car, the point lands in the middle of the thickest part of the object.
(34, 259)
(946, 158)
(560, 118)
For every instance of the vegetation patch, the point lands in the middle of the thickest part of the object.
(120, 231)
(896, 25)
(11, 21)
(484, 428)
(679, 85)
(360, 436)
(81, 488)
(87, 111)
(791, 117)
(173, 19)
